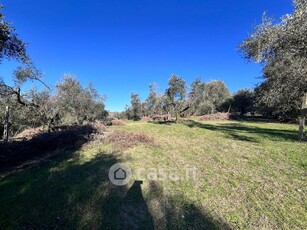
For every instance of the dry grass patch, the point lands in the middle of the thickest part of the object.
(35, 145)
(29, 133)
(118, 122)
(99, 127)
(215, 116)
(127, 139)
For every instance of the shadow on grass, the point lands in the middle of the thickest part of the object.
(162, 122)
(67, 194)
(237, 131)
(64, 193)
(179, 213)
(26, 153)
(133, 212)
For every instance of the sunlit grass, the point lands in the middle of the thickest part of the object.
(250, 175)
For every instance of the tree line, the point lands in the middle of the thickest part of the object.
(70, 102)
(279, 45)
(198, 99)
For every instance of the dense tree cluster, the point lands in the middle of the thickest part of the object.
(207, 97)
(201, 98)
(74, 103)
(71, 103)
(136, 109)
(243, 101)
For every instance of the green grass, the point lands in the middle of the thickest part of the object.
(250, 176)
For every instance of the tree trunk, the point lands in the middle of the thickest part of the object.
(303, 118)
(6, 125)
(302, 125)
(229, 109)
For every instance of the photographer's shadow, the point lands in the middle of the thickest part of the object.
(134, 211)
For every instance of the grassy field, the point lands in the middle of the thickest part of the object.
(249, 176)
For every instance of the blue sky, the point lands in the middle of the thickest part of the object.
(124, 45)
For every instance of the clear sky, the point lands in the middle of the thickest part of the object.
(124, 45)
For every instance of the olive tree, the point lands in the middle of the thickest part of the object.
(175, 95)
(21, 105)
(11, 46)
(243, 101)
(281, 46)
(207, 97)
(151, 102)
(215, 94)
(196, 96)
(75, 103)
(135, 112)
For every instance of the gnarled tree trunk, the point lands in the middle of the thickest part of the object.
(6, 125)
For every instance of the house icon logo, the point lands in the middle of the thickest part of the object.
(120, 174)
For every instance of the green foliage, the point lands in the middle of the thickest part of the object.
(135, 112)
(243, 101)
(21, 116)
(117, 115)
(206, 98)
(176, 89)
(155, 103)
(196, 96)
(27, 73)
(203, 98)
(27, 109)
(76, 104)
(11, 46)
(175, 95)
(151, 103)
(216, 93)
(281, 46)
(70, 104)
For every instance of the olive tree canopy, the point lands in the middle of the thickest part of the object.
(11, 46)
(282, 47)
